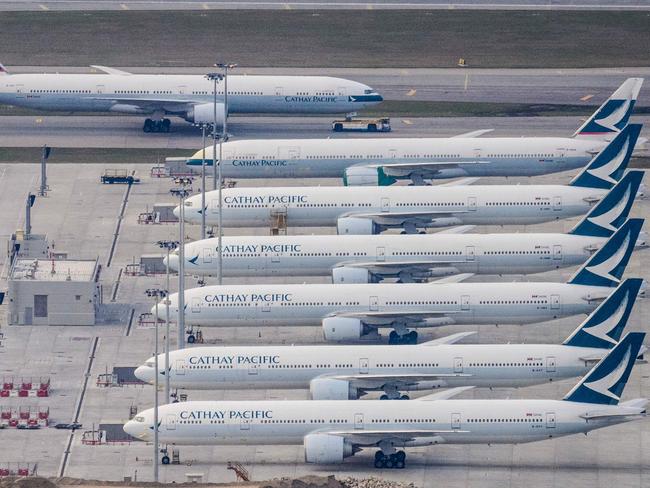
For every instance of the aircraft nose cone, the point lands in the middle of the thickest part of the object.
(144, 373)
(133, 428)
(173, 262)
(177, 212)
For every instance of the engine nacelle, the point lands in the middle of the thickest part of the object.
(332, 389)
(342, 329)
(326, 449)
(349, 274)
(366, 176)
(204, 114)
(356, 226)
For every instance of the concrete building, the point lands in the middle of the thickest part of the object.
(53, 292)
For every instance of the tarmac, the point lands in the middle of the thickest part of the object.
(80, 215)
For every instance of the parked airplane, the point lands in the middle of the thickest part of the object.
(349, 312)
(383, 161)
(372, 210)
(349, 372)
(407, 258)
(187, 96)
(333, 430)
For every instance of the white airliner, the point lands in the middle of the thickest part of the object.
(382, 161)
(349, 312)
(332, 430)
(349, 372)
(406, 258)
(187, 96)
(371, 210)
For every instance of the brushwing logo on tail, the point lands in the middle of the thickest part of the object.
(605, 171)
(611, 118)
(606, 219)
(605, 269)
(604, 328)
(606, 383)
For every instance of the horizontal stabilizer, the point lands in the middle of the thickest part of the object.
(450, 339)
(472, 134)
(110, 71)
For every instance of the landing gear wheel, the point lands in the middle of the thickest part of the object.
(400, 456)
(393, 337)
(405, 397)
(380, 463)
(165, 125)
(191, 339)
(411, 337)
(148, 125)
(389, 462)
(165, 460)
(383, 397)
(422, 232)
(399, 464)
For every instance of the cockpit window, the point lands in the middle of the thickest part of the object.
(149, 364)
(367, 91)
(139, 418)
(188, 203)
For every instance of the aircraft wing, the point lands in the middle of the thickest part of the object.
(379, 267)
(423, 169)
(151, 104)
(381, 318)
(398, 380)
(373, 437)
(394, 218)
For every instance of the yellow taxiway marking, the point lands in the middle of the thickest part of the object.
(411, 92)
(407, 122)
(43, 7)
(586, 98)
(206, 6)
(287, 6)
(124, 6)
(39, 121)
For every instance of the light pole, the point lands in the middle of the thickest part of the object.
(156, 294)
(169, 246)
(215, 77)
(181, 192)
(203, 183)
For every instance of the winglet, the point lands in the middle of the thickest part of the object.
(110, 71)
(612, 211)
(606, 266)
(604, 326)
(444, 395)
(612, 115)
(604, 384)
(608, 166)
(3, 70)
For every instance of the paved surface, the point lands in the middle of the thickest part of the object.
(80, 215)
(529, 86)
(319, 4)
(126, 132)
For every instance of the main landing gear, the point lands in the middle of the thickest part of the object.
(409, 338)
(161, 125)
(392, 461)
(402, 397)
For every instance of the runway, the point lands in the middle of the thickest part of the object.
(126, 132)
(530, 86)
(46, 5)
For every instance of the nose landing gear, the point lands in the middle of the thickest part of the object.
(162, 125)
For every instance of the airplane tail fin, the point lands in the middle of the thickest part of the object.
(608, 166)
(604, 384)
(612, 115)
(606, 266)
(604, 326)
(613, 210)
(3, 70)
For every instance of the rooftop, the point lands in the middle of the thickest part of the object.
(54, 270)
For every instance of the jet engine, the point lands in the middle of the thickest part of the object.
(326, 449)
(349, 274)
(342, 329)
(332, 389)
(366, 176)
(356, 226)
(204, 114)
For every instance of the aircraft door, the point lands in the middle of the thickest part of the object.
(100, 89)
(455, 421)
(214, 205)
(555, 302)
(363, 366)
(342, 91)
(266, 307)
(550, 364)
(179, 367)
(470, 253)
(550, 420)
(358, 421)
(385, 204)
(458, 365)
(464, 302)
(557, 203)
(557, 252)
(288, 152)
(392, 154)
(182, 89)
(207, 255)
(279, 92)
(373, 304)
(196, 304)
(253, 370)
(471, 204)
(381, 253)
(170, 422)
(245, 424)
